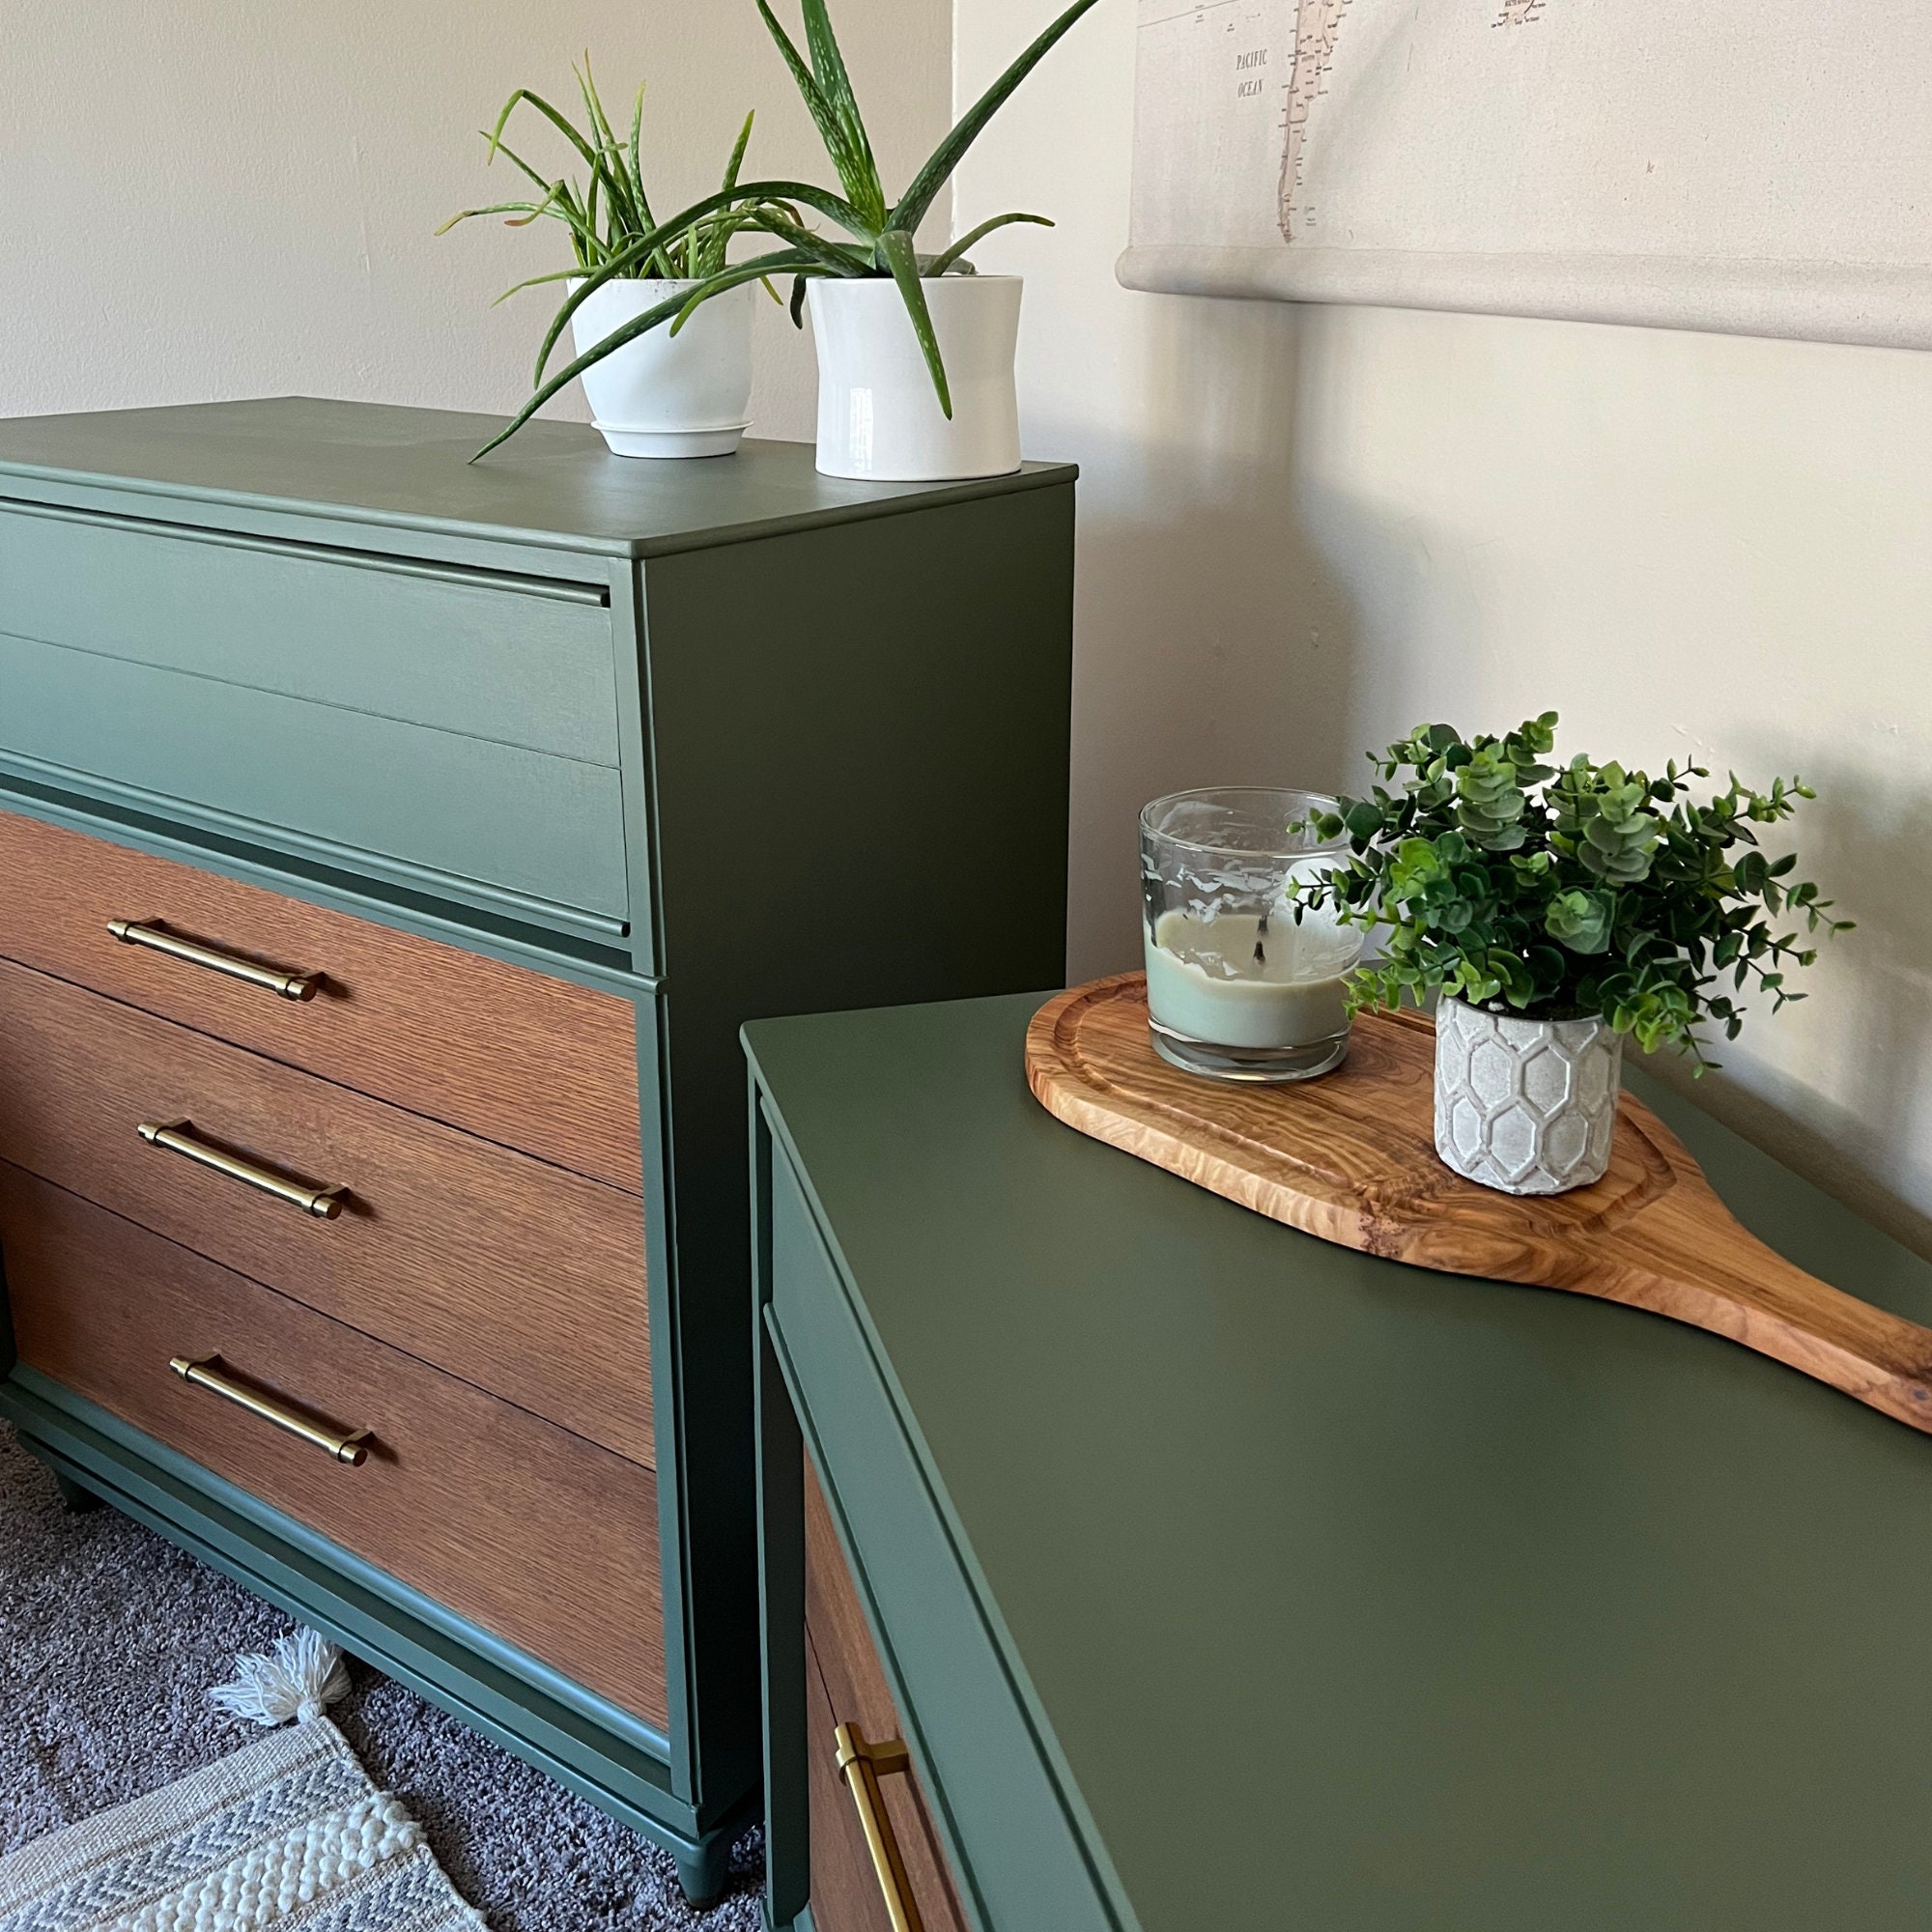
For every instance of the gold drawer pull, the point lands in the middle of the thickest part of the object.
(179, 1137)
(862, 1765)
(205, 1371)
(153, 934)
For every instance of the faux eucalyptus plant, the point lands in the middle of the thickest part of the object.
(878, 232)
(1567, 891)
(608, 214)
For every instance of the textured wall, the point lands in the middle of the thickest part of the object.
(1301, 530)
(238, 197)
(1304, 530)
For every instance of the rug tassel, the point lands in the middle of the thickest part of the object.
(303, 1673)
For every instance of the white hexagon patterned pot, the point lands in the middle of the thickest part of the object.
(1527, 1106)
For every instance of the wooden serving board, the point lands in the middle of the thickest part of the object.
(1351, 1157)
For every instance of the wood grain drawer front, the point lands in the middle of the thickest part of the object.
(542, 1537)
(517, 1056)
(522, 1278)
(845, 1684)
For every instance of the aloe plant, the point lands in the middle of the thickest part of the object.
(878, 230)
(609, 214)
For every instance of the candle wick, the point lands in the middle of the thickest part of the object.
(1260, 954)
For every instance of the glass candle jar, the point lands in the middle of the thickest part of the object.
(1237, 987)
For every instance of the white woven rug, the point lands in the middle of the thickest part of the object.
(286, 1836)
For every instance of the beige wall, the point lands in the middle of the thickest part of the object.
(216, 198)
(1304, 530)
(1301, 530)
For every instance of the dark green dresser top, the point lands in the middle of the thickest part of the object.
(1363, 1599)
(555, 484)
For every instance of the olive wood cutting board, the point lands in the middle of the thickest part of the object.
(1351, 1157)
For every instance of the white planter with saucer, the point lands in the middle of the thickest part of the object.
(879, 418)
(1527, 1106)
(665, 395)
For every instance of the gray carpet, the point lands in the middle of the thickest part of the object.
(109, 1640)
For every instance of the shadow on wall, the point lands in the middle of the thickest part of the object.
(1864, 1029)
(1212, 645)
(1703, 547)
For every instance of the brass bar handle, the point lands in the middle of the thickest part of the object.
(179, 1137)
(153, 934)
(862, 1765)
(205, 1371)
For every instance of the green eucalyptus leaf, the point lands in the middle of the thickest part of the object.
(1363, 819)
(1572, 887)
(1580, 921)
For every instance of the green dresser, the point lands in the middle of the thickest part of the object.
(372, 1193)
(1221, 1578)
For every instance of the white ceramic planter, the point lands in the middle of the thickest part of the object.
(665, 395)
(1527, 1106)
(879, 417)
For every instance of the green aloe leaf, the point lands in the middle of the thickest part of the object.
(930, 178)
(628, 260)
(784, 260)
(636, 151)
(856, 176)
(896, 247)
(733, 277)
(737, 160)
(530, 210)
(942, 260)
(836, 255)
(608, 170)
(829, 66)
(561, 122)
(716, 234)
(510, 154)
(600, 121)
(537, 281)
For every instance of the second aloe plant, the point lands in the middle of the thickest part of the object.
(876, 237)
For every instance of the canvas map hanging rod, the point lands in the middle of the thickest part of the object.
(1762, 167)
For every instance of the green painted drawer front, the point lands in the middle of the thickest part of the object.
(484, 654)
(952, 1686)
(457, 809)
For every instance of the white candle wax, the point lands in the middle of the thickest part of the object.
(1236, 979)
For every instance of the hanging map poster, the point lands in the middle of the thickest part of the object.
(1757, 166)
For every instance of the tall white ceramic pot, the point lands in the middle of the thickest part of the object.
(663, 394)
(879, 417)
(1527, 1106)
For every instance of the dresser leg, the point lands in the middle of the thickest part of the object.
(77, 1499)
(703, 1871)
